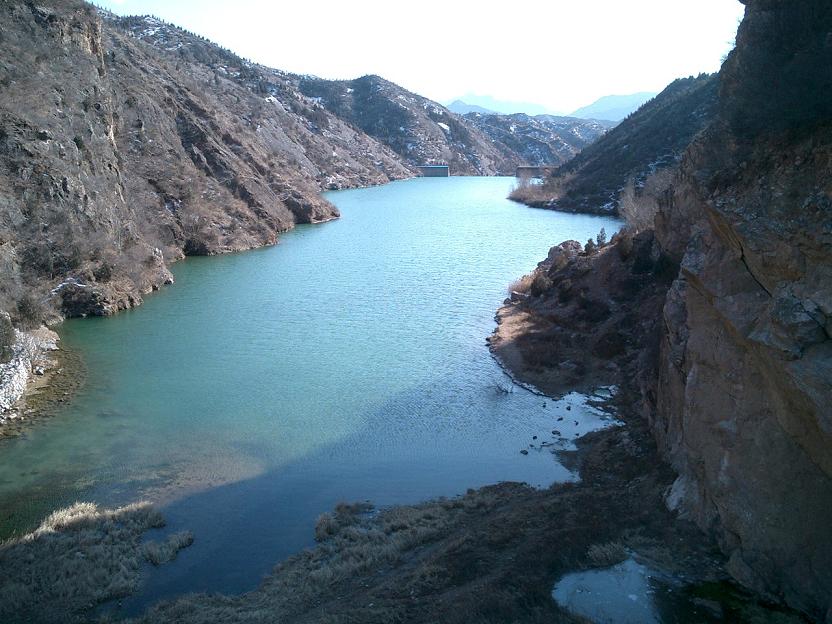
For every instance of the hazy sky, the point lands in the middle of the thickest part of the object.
(559, 53)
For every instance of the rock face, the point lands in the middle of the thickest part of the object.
(743, 405)
(127, 143)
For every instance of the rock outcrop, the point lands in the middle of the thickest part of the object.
(28, 357)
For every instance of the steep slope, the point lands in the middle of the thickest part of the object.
(614, 107)
(419, 130)
(542, 139)
(745, 372)
(117, 157)
(651, 138)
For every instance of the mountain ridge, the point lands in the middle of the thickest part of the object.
(614, 107)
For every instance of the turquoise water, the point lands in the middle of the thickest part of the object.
(348, 362)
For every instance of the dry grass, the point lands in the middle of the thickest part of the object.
(354, 540)
(639, 207)
(78, 557)
(159, 553)
(521, 285)
(551, 189)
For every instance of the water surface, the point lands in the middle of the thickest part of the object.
(348, 362)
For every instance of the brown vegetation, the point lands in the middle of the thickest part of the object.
(639, 206)
(7, 337)
(78, 557)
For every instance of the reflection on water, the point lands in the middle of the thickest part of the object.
(348, 362)
(622, 594)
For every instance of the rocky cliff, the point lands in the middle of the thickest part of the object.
(127, 143)
(720, 311)
(744, 392)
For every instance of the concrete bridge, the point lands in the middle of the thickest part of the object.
(434, 171)
(526, 171)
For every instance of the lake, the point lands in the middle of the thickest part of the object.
(346, 363)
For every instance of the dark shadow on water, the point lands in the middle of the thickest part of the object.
(243, 529)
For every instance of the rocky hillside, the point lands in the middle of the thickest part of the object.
(417, 129)
(118, 157)
(540, 140)
(721, 311)
(650, 139)
(745, 372)
(424, 132)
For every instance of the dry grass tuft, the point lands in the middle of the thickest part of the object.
(639, 206)
(78, 557)
(159, 553)
(521, 285)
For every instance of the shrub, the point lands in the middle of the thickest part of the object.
(6, 337)
(540, 284)
(638, 207)
(29, 312)
(104, 272)
(601, 239)
(624, 244)
(590, 247)
(521, 285)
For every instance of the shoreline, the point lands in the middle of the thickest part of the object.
(37, 397)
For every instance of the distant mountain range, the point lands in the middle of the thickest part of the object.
(614, 107)
(607, 108)
(461, 108)
(486, 104)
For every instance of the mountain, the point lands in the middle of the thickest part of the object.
(419, 130)
(461, 108)
(541, 139)
(492, 105)
(614, 107)
(652, 138)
